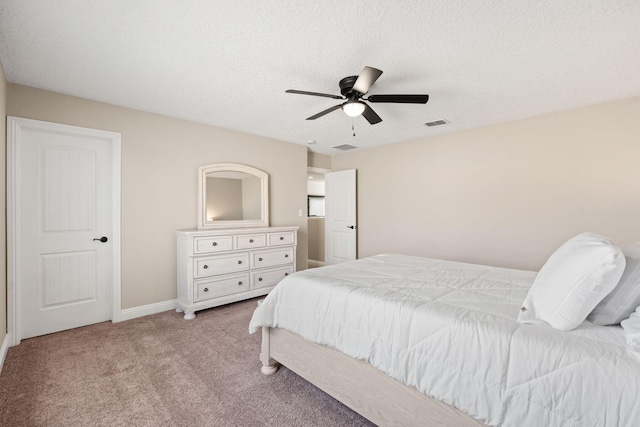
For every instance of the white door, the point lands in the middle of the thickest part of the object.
(340, 216)
(64, 235)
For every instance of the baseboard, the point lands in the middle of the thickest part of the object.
(145, 310)
(4, 349)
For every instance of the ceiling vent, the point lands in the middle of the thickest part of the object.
(344, 147)
(436, 123)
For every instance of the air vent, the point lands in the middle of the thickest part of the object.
(344, 147)
(436, 123)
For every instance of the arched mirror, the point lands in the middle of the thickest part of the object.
(232, 195)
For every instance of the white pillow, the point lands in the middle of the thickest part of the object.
(625, 297)
(575, 278)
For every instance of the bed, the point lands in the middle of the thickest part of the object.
(414, 341)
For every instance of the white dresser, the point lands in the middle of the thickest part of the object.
(217, 267)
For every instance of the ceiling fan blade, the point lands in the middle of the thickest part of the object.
(302, 92)
(400, 99)
(366, 79)
(370, 115)
(327, 111)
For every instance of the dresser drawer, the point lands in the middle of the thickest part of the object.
(250, 241)
(281, 238)
(272, 258)
(221, 264)
(220, 287)
(270, 277)
(203, 245)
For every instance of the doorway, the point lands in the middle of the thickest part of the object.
(316, 215)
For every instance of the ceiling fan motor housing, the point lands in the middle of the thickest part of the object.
(346, 86)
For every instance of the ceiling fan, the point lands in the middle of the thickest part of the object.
(354, 88)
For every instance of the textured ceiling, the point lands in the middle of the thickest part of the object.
(228, 63)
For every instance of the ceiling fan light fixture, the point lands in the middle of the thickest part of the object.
(353, 108)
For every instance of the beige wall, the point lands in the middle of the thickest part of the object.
(504, 195)
(160, 160)
(316, 239)
(318, 160)
(3, 215)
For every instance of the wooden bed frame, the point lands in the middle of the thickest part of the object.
(357, 384)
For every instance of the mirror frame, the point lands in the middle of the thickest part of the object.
(203, 171)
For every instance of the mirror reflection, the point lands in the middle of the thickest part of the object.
(233, 196)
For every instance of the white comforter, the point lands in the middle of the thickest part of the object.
(450, 330)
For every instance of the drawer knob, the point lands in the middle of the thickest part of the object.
(206, 289)
(260, 279)
(281, 238)
(239, 283)
(250, 240)
(215, 243)
(286, 255)
(205, 266)
(259, 259)
(286, 274)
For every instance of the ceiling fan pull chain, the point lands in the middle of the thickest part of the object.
(353, 127)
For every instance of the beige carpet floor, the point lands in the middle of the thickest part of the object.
(159, 370)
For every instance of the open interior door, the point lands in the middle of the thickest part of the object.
(340, 216)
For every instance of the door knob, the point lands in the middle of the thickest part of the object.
(103, 239)
(351, 226)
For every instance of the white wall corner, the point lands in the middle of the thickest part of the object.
(4, 349)
(145, 310)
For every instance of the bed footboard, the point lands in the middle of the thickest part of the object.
(357, 384)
